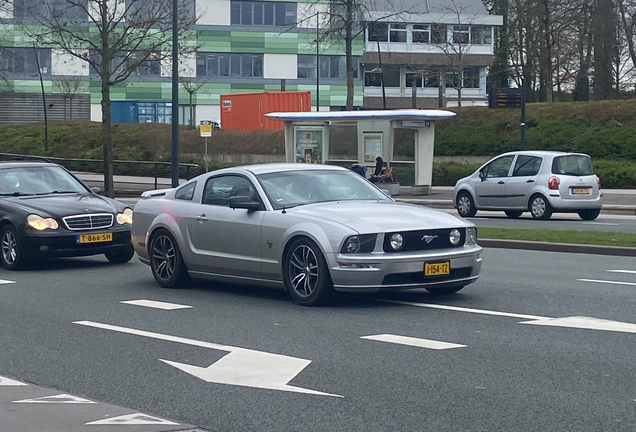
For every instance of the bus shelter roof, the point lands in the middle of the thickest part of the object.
(398, 114)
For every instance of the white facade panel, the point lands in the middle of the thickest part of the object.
(207, 112)
(280, 66)
(213, 12)
(6, 10)
(96, 112)
(63, 63)
(310, 13)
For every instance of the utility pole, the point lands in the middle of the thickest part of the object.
(175, 95)
(46, 123)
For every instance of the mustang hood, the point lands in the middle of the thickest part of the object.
(63, 205)
(379, 216)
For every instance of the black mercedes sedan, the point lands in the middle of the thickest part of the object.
(46, 212)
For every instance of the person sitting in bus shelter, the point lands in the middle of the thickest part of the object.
(385, 175)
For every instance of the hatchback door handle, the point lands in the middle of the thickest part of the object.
(201, 218)
(530, 181)
(501, 182)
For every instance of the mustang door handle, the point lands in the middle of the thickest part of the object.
(530, 181)
(201, 218)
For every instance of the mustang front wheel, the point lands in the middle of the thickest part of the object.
(12, 254)
(166, 262)
(306, 274)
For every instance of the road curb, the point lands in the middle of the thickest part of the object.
(557, 247)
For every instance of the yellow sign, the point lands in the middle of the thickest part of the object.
(205, 128)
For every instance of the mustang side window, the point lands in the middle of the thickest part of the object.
(185, 192)
(218, 190)
(527, 166)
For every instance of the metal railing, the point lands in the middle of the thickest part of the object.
(142, 168)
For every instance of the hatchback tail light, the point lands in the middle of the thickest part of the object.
(553, 183)
(598, 181)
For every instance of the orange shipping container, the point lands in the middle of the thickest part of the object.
(246, 111)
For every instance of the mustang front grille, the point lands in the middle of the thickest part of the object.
(89, 221)
(424, 240)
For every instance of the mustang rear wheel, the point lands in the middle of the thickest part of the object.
(166, 262)
(306, 274)
(120, 256)
(12, 255)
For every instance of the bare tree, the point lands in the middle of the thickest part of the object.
(68, 87)
(120, 38)
(192, 85)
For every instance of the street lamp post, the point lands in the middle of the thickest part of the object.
(46, 123)
(175, 96)
(317, 61)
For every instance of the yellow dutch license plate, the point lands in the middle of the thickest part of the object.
(437, 269)
(95, 238)
(580, 191)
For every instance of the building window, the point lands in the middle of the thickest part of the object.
(421, 33)
(480, 35)
(37, 10)
(452, 78)
(263, 13)
(438, 34)
(150, 67)
(378, 32)
(307, 66)
(229, 65)
(23, 60)
(331, 66)
(461, 34)
(397, 32)
(471, 77)
(425, 77)
(372, 76)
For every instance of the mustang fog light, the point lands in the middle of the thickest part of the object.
(471, 236)
(397, 241)
(359, 265)
(455, 237)
(352, 244)
(39, 223)
(125, 217)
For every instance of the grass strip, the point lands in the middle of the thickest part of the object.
(602, 238)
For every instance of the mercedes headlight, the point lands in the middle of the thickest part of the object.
(455, 237)
(471, 236)
(396, 241)
(39, 223)
(125, 217)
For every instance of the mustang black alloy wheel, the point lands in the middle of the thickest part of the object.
(166, 262)
(12, 255)
(306, 274)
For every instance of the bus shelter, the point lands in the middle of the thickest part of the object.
(307, 136)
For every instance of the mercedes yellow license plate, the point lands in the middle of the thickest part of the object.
(437, 269)
(579, 191)
(95, 238)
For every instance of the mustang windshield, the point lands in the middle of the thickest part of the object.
(292, 188)
(38, 180)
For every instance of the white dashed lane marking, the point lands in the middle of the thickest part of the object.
(607, 282)
(56, 399)
(156, 304)
(132, 419)
(10, 383)
(411, 341)
(2, 282)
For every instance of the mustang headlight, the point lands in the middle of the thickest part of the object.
(39, 223)
(455, 237)
(125, 217)
(396, 241)
(363, 243)
(471, 236)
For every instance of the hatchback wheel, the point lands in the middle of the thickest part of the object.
(166, 261)
(513, 214)
(540, 208)
(12, 254)
(466, 205)
(589, 214)
(306, 274)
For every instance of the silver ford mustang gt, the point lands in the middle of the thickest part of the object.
(312, 229)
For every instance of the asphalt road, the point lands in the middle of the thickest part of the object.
(510, 353)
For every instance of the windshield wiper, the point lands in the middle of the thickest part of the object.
(16, 194)
(57, 192)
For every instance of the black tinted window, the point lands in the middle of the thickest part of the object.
(527, 166)
(576, 165)
(186, 192)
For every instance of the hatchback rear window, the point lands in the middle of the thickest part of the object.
(575, 165)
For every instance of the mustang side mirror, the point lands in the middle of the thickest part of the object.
(244, 202)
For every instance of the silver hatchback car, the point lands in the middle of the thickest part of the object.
(541, 182)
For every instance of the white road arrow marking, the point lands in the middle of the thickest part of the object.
(9, 382)
(241, 366)
(61, 398)
(156, 304)
(582, 322)
(2, 282)
(572, 322)
(132, 419)
(623, 271)
(607, 282)
(411, 341)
